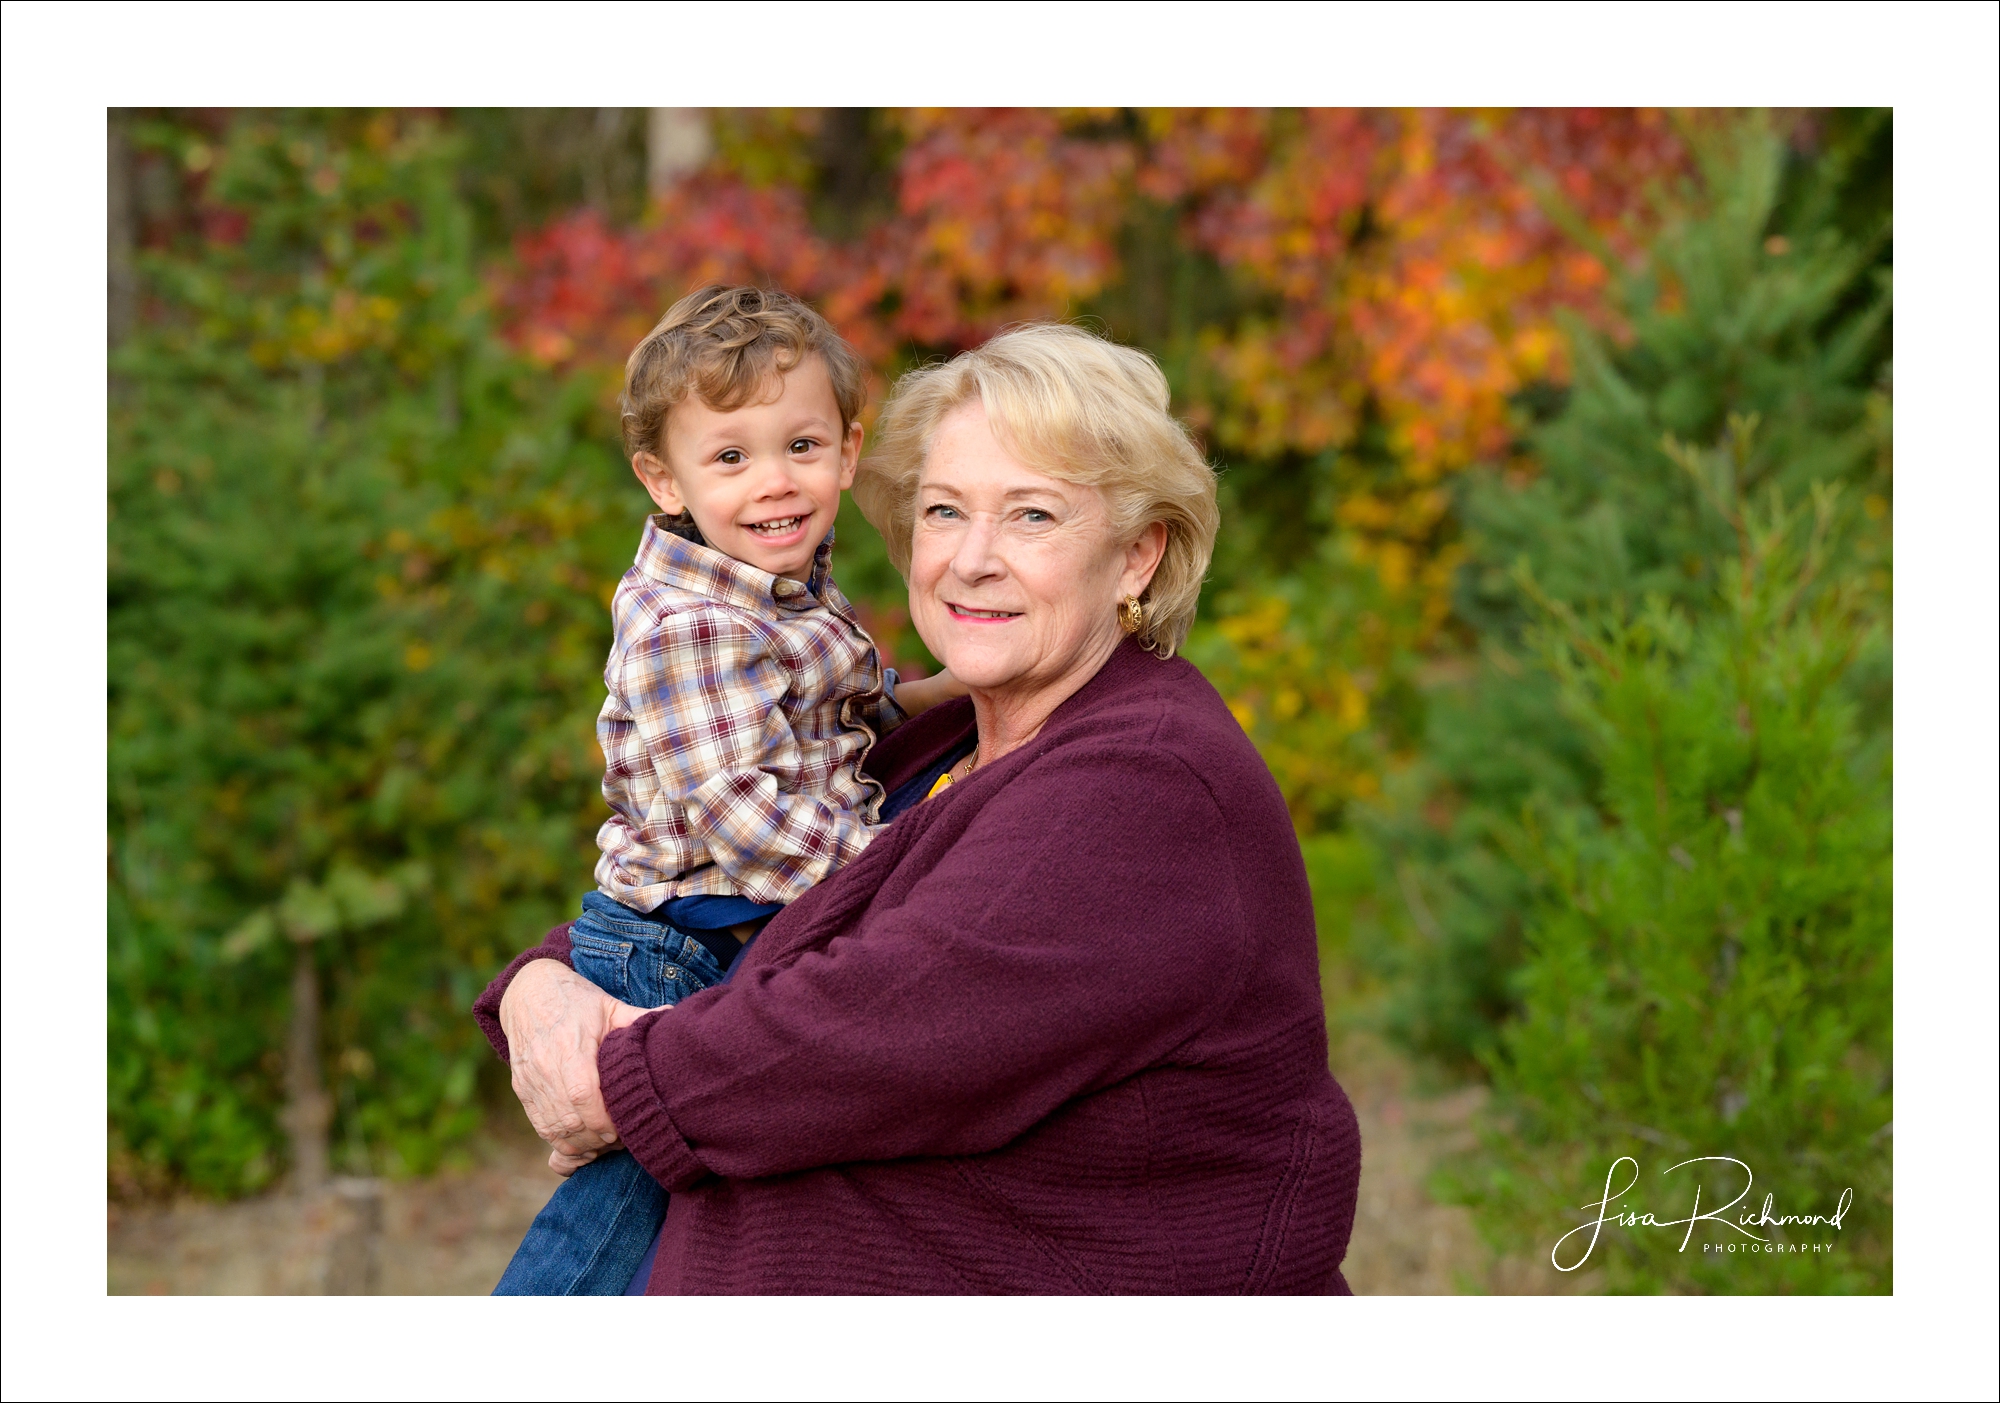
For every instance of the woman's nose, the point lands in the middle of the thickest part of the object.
(976, 557)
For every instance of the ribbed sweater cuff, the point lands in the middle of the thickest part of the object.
(636, 1109)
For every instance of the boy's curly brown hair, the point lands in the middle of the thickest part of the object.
(724, 344)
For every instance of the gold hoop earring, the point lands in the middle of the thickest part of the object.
(1131, 614)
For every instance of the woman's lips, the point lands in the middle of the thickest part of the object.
(980, 616)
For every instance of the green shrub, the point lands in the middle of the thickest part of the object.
(1707, 953)
(359, 564)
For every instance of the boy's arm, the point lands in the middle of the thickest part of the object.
(705, 696)
(919, 694)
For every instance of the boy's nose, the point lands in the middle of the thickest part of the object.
(777, 478)
(774, 480)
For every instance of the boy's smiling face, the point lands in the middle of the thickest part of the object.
(762, 481)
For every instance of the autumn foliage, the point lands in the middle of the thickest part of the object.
(1409, 264)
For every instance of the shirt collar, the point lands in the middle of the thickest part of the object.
(673, 553)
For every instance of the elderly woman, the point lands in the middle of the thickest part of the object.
(1059, 1028)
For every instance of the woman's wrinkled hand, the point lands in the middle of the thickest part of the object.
(555, 1021)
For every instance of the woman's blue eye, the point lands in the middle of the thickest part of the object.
(942, 511)
(1037, 515)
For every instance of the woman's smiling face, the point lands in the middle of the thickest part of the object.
(1015, 576)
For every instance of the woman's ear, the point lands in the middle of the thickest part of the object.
(658, 482)
(1142, 558)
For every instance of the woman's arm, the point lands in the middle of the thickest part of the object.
(1083, 925)
(548, 1022)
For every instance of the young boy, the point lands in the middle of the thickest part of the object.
(743, 696)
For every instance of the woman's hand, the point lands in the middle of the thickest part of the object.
(555, 1021)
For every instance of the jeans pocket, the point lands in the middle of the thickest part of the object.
(602, 959)
(692, 969)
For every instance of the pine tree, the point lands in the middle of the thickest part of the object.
(1707, 955)
(1768, 296)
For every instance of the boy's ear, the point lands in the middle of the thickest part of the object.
(850, 455)
(659, 483)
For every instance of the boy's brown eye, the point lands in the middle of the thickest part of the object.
(802, 445)
(731, 456)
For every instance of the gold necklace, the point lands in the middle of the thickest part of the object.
(948, 779)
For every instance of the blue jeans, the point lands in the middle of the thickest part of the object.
(602, 1220)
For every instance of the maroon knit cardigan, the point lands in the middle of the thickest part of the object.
(1059, 1029)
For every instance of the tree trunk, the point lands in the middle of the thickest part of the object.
(354, 1258)
(309, 1112)
(677, 142)
(122, 235)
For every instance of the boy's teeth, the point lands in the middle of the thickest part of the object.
(777, 526)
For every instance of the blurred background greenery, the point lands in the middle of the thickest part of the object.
(1554, 584)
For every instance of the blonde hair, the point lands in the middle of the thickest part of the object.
(724, 344)
(1077, 408)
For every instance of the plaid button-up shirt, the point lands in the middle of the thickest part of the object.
(740, 706)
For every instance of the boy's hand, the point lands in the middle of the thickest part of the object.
(920, 694)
